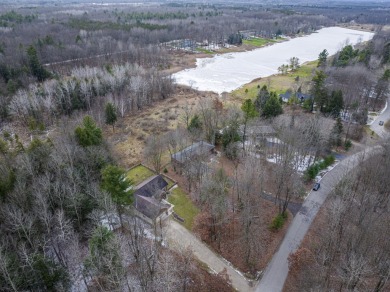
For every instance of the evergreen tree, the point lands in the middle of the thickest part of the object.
(322, 57)
(115, 183)
(345, 56)
(335, 135)
(318, 90)
(110, 113)
(195, 124)
(335, 104)
(36, 67)
(230, 136)
(89, 134)
(272, 107)
(262, 98)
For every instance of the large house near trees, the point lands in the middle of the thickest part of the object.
(149, 197)
(198, 151)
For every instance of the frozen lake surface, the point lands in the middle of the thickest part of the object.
(230, 71)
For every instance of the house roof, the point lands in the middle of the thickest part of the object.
(196, 149)
(149, 206)
(288, 94)
(258, 130)
(149, 187)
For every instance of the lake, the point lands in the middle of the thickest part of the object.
(230, 71)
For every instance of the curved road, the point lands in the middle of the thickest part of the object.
(384, 116)
(277, 270)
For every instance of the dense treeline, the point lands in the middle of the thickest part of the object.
(129, 87)
(122, 33)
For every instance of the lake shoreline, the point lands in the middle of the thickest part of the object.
(226, 72)
(189, 59)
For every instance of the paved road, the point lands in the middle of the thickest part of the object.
(385, 116)
(180, 236)
(277, 270)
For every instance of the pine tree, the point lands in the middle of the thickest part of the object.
(89, 134)
(111, 116)
(36, 67)
(272, 107)
(322, 58)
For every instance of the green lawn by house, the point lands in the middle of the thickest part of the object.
(139, 173)
(183, 206)
(258, 42)
(170, 182)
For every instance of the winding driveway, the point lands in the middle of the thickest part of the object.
(178, 235)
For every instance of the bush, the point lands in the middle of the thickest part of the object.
(165, 170)
(313, 170)
(329, 160)
(278, 221)
(347, 145)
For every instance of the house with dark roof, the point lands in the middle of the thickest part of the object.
(197, 151)
(150, 207)
(300, 96)
(154, 186)
(149, 197)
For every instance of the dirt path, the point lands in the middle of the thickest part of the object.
(179, 236)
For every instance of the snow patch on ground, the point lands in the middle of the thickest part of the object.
(300, 163)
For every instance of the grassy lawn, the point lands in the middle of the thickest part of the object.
(183, 207)
(139, 173)
(205, 51)
(278, 83)
(258, 42)
(169, 181)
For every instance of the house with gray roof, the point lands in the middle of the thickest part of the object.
(197, 151)
(300, 96)
(149, 195)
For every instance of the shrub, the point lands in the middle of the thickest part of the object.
(313, 170)
(347, 145)
(165, 170)
(278, 221)
(329, 160)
